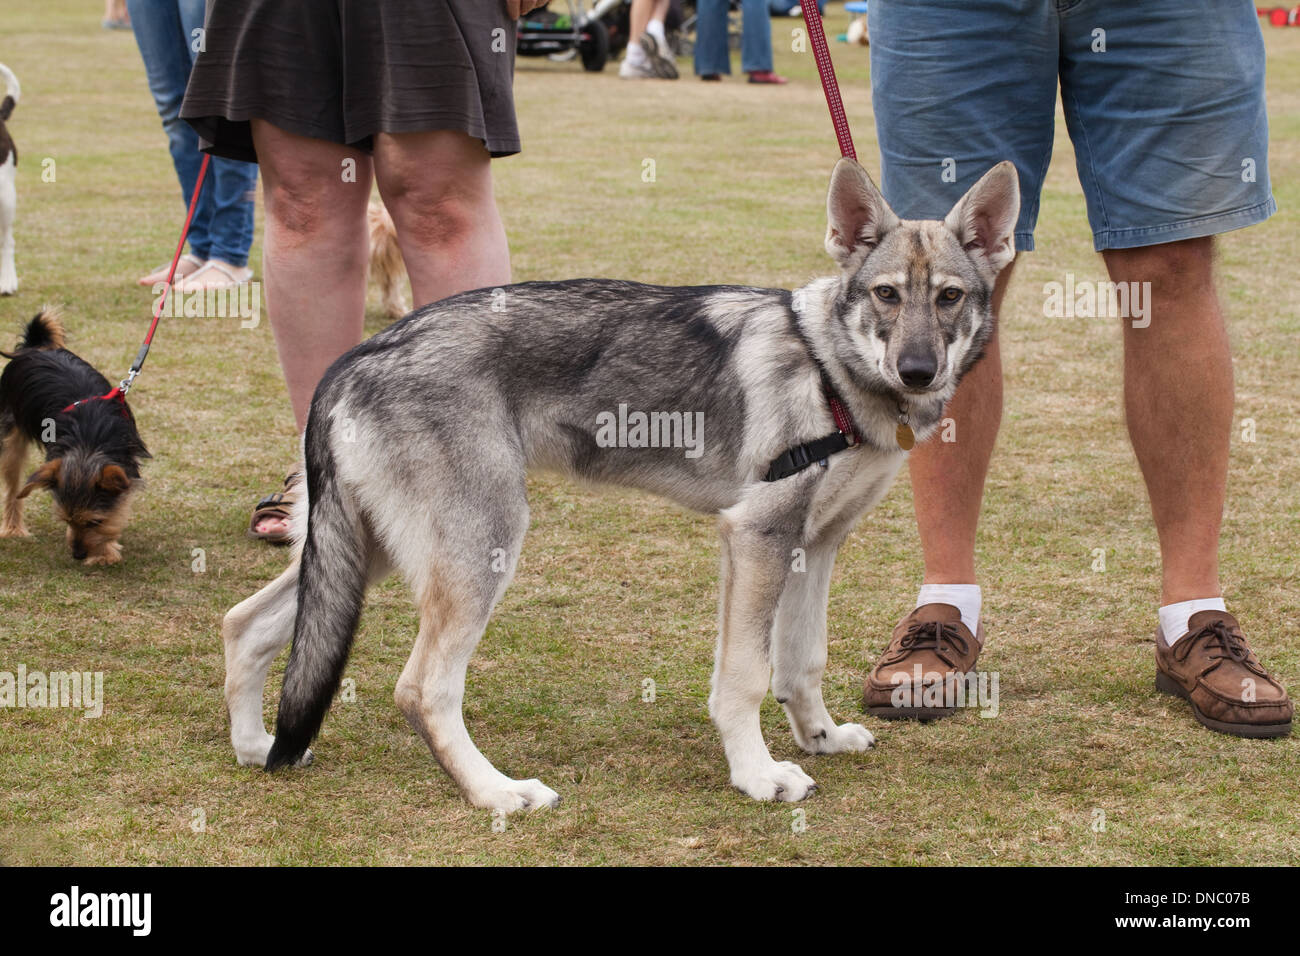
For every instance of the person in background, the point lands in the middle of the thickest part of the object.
(648, 55)
(712, 56)
(167, 32)
(415, 95)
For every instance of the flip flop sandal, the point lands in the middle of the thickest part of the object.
(278, 505)
(160, 274)
(205, 278)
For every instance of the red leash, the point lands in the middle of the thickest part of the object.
(119, 391)
(826, 70)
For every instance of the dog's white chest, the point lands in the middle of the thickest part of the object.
(854, 483)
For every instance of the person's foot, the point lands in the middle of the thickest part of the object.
(711, 77)
(1213, 668)
(643, 61)
(661, 53)
(271, 515)
(767, 76)
(916, 677)
(215, 274)
(186, 266)
(114, 23)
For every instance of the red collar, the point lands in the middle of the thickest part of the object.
(840, 412)
(843, 419)
(113, 394)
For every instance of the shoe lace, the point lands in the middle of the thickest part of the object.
(942, 637)
(1223, 643)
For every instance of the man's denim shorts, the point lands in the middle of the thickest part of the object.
(1164, 101)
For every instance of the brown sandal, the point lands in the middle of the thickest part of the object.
(279, 505)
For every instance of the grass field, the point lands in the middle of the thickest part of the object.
(614, 588)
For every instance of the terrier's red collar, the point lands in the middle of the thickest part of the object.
(113, 394)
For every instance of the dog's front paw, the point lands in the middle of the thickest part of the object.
(515, 795)
(844, 738)
(775, 781)
(14, 531)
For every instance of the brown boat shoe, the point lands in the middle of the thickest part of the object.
(916, 677)
(1213, 668)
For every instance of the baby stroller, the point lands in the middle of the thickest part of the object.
(576, 29)
(576, 33)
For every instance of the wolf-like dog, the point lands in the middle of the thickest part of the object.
(419, 440)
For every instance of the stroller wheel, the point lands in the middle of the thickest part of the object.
(594, 46)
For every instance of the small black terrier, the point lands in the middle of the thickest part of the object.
(92, 449)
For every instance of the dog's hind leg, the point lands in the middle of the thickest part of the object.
(457, 589)
(756, 545)
(13, 451)
(799, 656)
(254, 631)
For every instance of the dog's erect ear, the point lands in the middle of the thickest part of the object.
(984, 220)
(857, 216)
(113, 479)
(46, 476)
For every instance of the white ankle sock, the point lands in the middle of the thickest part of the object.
(964, 597)
(635, 54)
(1174, 617)
(656, 29)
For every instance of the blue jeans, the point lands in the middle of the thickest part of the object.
(711, 53)
(223, 220)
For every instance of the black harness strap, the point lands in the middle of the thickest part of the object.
(799, 457)
(802, 456)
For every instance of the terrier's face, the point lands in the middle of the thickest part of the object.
(91, 496)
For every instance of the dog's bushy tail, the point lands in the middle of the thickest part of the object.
(331, 589)
(12, 93)
(386, 265)
(44, 331)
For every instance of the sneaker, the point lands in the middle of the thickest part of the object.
(649, 64)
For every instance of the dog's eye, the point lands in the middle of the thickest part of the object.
(94, 524)
(950, 294)
(886, 293)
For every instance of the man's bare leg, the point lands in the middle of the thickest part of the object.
(1178, 401)
(948, 477)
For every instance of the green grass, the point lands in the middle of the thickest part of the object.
(614, 588)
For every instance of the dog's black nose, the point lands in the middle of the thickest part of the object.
(79, 554)
(917, 369)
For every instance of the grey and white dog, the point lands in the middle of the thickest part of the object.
(419, 440)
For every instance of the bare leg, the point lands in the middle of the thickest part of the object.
(643, 11)
(314, 255)
(948, 477)
(438, 188)
(1178, 399)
